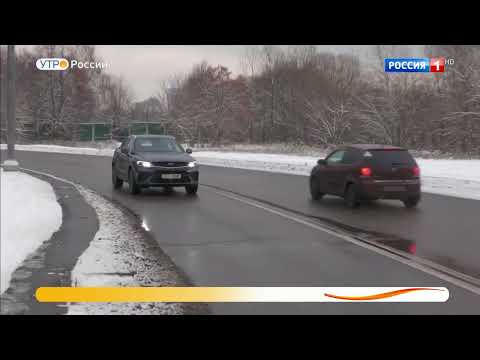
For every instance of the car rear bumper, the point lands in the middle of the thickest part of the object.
(152, 177)
(389, 189)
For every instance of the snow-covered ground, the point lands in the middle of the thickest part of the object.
(30, 214)
(108, 151)
(459, 178)
(289, 164)
(118, 256)
(451, 177)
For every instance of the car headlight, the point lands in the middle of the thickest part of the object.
(192, 164)
(146, 164)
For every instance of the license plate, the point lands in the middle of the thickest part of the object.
(394, 188)
(171, 176)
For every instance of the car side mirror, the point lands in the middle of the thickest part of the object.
(188, 151)
(322, 162)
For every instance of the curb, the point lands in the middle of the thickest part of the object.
(52, 262)
(48, 266)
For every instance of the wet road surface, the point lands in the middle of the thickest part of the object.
(218, 241)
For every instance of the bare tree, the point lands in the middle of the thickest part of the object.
(460, 96)
(250, 60)
(284, 94)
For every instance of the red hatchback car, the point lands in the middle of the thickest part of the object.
(367, 172)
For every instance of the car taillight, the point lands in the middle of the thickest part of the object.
(365, 171)
(416, 171)
(412, 249)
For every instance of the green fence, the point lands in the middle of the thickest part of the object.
(103, 131)
(147, 129)
(138, 129)
(85, 132)
(95, 131)
(156, 129)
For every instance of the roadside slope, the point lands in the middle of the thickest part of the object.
(30, 214)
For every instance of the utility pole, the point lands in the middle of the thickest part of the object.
(1, 86)
(11, 164)
(272, 120)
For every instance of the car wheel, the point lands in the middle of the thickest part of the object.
(316, 195)
(132, 184)
(117, 183)
(351, 197)
(191, 189)
(411, 202)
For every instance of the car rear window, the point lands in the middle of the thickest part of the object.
(390, 157)
(157, 145)
(352, 156)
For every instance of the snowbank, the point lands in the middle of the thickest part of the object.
(275, 148)
(120, 256)
(290, 164)
(460, 178)
(64, 149)
(30, 215)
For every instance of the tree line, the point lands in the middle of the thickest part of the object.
(51, 104)
(317, 98)
(296, 94)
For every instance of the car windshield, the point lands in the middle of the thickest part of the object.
(157, 145)
(391, 157)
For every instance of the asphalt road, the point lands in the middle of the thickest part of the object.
(218, 241)
(444, 229)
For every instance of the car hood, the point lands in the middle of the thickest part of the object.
(154, 157)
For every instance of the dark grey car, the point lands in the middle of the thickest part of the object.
(154, 161)
(367, 172)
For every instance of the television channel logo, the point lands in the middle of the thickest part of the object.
(424, 65)
(52, 64)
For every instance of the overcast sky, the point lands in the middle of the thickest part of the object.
(145, 66)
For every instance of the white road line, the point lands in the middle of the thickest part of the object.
(51, 176)
(375, 249)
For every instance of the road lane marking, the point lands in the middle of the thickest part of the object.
(348, 229)
(448, 274)
(51, 176)
(390, 253)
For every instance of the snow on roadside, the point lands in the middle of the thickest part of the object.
(468, 170)
(119, 255)
(273, 148)
(458, 178)
(63, 149)
(30, 214)
(450, 177)
(289, 164)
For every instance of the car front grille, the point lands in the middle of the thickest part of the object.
(159, 180)
(170, 163)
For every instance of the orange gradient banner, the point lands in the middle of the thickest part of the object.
(242, 294)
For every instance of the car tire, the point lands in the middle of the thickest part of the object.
(316, 195)
(351, 197)
(411, 202)
(117, 183)
(191, 189)
(133, 187)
